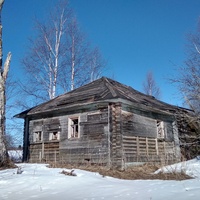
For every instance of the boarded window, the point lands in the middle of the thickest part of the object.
(73, 127)
(54, 135)
(160, 129)
(37, 136)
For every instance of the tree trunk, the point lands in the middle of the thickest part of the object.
(72, 63)
(3, 151)
(3, 76)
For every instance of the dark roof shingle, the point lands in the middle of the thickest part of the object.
(99, 90)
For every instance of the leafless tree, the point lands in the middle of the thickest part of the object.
(46, 53)
(150, 87)
(77, 48)
(3, 77)
(189, 75)
(59, 58)
(96, 64)
(14, 126)
(83, 63)
(187, 80)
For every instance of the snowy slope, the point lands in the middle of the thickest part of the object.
(15, 155)
(38, 182)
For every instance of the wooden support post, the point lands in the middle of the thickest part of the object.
(147, 147)
(157, 152)
(40, 156)
(55, 156)
(138, 148)
(164, 146)
(174, 150)
(42, 150)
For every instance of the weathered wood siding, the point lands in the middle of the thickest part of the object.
(110, 135)
(92, 146)
(44, 150)
(141, 142)
(141, 149)
(139, 125)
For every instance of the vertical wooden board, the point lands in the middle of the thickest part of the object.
(169, 131)
(64, 129)
(31, 131)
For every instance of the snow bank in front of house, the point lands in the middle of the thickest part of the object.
(15, 155)
(191, 167)
(38, 182)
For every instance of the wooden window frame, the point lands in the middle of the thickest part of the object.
(160, 129)
(38, 136)
(73, 127)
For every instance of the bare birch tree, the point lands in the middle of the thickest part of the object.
(83, 63)
(3, 77)
(45, 56)
(150, 87)
(59, 57)
(76, 55)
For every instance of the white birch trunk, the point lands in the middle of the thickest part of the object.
(54, 51)
(73, 64)
(3, 77)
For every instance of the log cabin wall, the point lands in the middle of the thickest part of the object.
(116, 146)
(141, 139)
(91, 145)
(108, 136)
(43, 146)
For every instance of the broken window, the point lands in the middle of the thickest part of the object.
(73, 128)
(54, 135)
(160, 129)
(37, 136)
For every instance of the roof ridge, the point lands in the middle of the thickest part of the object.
(110, 87)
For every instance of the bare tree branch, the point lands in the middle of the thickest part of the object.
(60, 58)
(150, 87)
(187, 81)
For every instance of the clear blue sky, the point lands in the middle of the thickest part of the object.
(135, 36)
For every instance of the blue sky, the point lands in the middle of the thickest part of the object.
(135, 36)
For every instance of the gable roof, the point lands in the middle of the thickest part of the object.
(99, 90)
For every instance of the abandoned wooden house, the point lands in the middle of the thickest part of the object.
(103, 122)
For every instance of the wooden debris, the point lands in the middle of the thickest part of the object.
(71, 173)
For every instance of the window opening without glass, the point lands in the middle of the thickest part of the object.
(160, 129)
(54, 135)
(37, 136)
(73, 131)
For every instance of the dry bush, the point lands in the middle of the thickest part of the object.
(142, 172)
(7, 164)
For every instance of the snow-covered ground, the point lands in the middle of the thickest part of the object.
(15, 155)
(40, 182)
